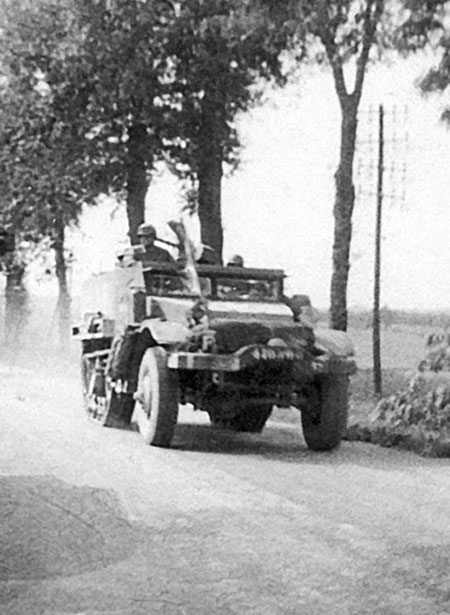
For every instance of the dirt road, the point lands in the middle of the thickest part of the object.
(95, 522)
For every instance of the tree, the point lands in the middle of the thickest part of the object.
(105, 71)
(347, 32)
(82, 91)
(42, 142)
(222, 52)
(42, 185)
(158, 80)
(128, 86)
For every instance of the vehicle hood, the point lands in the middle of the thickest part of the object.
(237, 324)
(242, 323)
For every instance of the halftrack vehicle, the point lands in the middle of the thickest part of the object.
(151, 341)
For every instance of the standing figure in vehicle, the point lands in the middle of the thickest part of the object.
(147, 251)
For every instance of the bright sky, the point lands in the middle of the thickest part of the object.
(277, 208)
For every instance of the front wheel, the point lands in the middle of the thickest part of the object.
(157, 398)
(324, 415)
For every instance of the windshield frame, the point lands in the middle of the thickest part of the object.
(213, 274)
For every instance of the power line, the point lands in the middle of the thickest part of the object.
(396, 150)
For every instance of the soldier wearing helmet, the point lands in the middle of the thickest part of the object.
(150, 252)
(236, 261)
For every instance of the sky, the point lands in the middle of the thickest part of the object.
(278, 206)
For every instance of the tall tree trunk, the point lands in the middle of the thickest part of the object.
(343, 210)
(64, 300)
(137, 182)
(210, 172)
(370, 15)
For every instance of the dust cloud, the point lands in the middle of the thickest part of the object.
(30, 338)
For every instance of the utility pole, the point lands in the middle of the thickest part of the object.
(376, 334)
(381, 179)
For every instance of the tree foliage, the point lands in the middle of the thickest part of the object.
(43, 147)
(127, 81)
(94, 94)
(422, 20)
(40, 136)
(427, 26)
(223, 51)
(132, 83)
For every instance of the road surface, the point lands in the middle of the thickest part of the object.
(93, 521)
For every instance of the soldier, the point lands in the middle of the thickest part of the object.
(148, 251)
(303, 310)
(236, 261)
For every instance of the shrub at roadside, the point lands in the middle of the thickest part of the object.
(418, 417)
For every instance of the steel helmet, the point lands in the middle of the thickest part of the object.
(236, 261)
(146, 230)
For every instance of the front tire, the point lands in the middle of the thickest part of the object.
(157, 398)
(324, 416)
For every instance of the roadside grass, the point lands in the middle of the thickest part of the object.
(402, 349)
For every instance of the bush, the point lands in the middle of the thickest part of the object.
(418, 418)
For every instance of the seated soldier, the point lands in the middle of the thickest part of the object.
(236, 261)
(234, 288)
(148, 251)
(302, 310)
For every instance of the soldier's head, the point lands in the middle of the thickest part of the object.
(146, 234)
(301, 308)
(236, 261)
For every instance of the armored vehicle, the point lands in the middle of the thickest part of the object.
(223, 339)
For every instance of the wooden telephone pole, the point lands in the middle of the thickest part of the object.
(376, 333)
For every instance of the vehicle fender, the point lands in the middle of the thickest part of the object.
(334, 342)
(166, 332)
